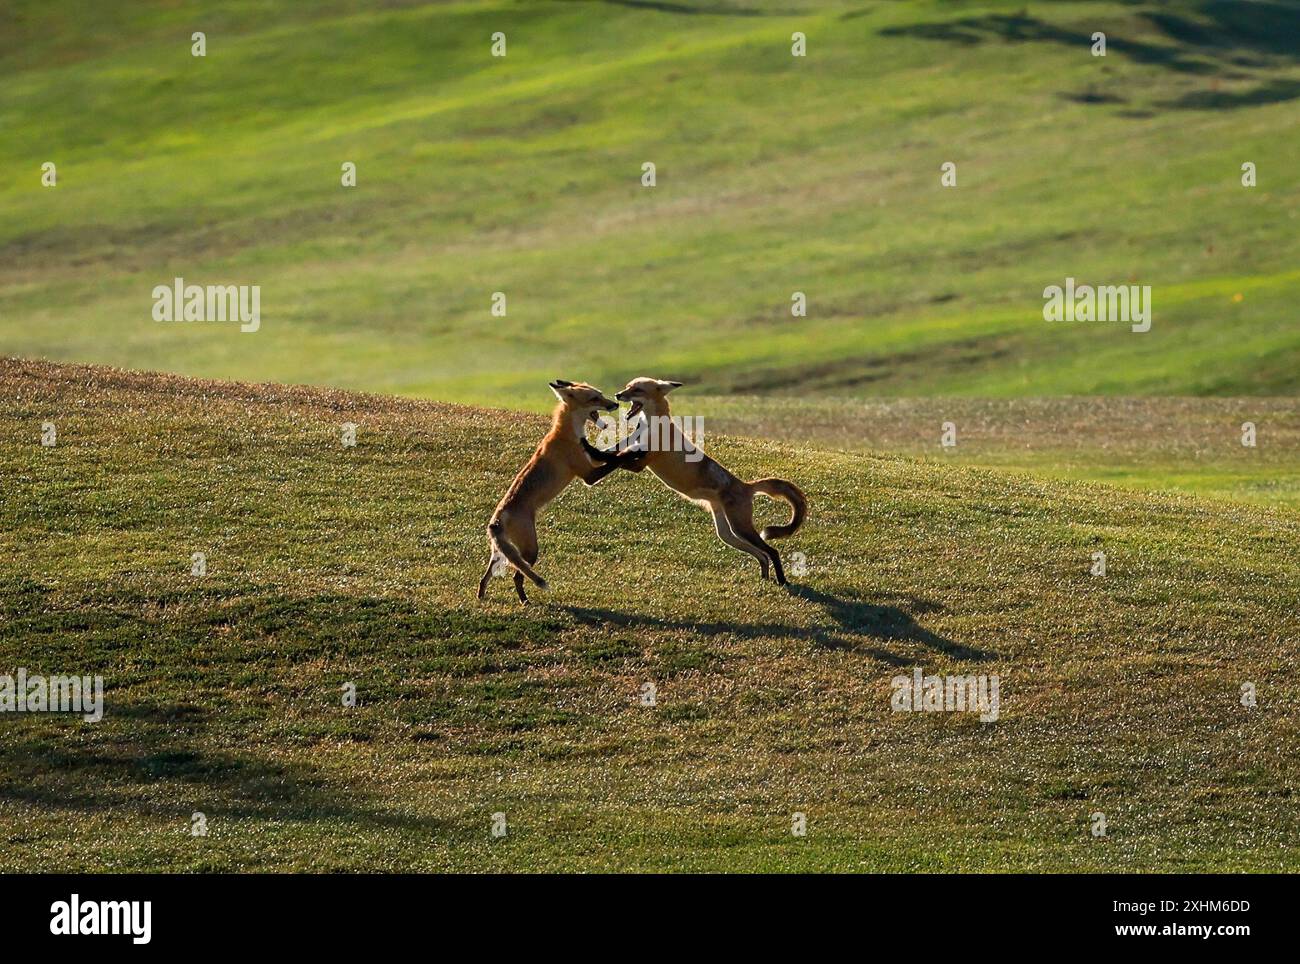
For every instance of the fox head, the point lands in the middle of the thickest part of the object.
(580, 401)
(647, 394)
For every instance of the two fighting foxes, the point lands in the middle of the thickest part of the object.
(565, 454)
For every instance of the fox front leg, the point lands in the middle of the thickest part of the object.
(632, 462)
(613, 465)
(599, 455)
(599, 472)
(613, 459)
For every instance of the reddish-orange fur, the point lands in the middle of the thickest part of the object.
(705, 482)
(558, 460)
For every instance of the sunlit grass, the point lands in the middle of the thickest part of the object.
(775, 174)
(329, 565)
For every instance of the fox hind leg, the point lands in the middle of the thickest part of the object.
(498, 565)
(740, 516)
(527, 543)
(722, 523)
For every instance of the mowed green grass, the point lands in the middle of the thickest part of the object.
(1188, 445)
(775, 174)
(328, 565)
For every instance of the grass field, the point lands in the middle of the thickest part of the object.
(1190, 445)
(330, 566)
(1120, 694)
(775, 174)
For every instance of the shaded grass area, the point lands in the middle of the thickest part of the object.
(775, 175)
(328, 566)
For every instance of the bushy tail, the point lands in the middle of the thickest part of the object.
(781, 489)
(497, 536)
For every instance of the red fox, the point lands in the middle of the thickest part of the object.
(559, 459)
(694, 476)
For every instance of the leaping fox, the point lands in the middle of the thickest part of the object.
(559, 459)
(699, 478)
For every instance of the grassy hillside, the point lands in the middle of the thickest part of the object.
(1191, 445)
(328, 565)
(775, 174)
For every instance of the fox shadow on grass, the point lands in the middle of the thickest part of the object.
(854, 624)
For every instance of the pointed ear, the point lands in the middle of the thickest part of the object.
(667, 387)
(560, 383)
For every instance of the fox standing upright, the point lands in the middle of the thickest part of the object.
(658, 443)
(559, 459)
